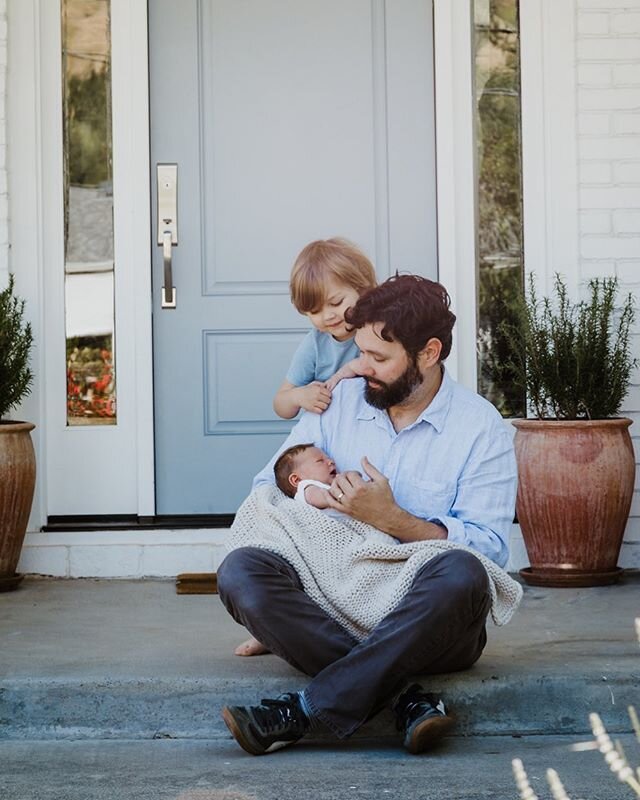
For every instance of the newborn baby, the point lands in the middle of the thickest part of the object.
(304, 472)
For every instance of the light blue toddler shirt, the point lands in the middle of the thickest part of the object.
(318, 357)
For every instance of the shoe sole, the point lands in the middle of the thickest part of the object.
(426, 734)
(238, 734)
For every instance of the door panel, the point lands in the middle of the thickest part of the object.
(290, 120)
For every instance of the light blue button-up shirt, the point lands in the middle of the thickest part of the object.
(454, 465)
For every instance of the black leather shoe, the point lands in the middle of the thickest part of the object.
(267, 727)
(422, 718)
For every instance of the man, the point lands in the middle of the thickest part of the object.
(438, 464)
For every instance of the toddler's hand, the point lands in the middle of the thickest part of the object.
(314, 397)
(350, 370)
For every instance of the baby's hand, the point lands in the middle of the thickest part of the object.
(314, 397)
(352, 369)
(316, 496)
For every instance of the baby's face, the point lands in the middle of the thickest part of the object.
(315, 464)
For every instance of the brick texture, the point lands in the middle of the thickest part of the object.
(608, 105)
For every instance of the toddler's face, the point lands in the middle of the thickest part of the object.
(330, 317)
(315, 464)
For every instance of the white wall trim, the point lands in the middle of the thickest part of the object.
(26, 236)
(549, 141)
(138, 553)
(123, 554)
(456, 189)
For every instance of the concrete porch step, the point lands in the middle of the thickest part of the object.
(133, 660)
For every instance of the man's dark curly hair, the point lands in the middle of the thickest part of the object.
(412, 309)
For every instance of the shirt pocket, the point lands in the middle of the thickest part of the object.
(430, 498)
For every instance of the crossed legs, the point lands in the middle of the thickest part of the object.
(438, 627)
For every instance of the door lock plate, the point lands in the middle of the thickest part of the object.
(167, 175)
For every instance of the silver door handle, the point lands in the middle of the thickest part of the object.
(167, 177)
(168, 290)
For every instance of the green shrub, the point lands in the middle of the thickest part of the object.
(573, 359)
(15, 346)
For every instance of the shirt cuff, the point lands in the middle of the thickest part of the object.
(455, 528)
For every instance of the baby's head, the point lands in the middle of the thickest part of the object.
(300, 463)
(325, 265)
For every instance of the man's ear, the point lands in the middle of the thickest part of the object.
(294, 479)
(430, 353)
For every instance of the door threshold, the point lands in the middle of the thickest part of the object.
(128, 522)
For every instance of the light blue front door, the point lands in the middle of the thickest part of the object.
(289, 120)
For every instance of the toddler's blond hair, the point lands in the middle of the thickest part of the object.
(323, 259)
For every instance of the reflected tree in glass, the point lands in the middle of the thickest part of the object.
(500, 239)
(88, 212)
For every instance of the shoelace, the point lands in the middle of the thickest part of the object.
(278, 715)
(414, 708)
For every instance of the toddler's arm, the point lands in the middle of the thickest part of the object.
(290, 399)
(352, 369)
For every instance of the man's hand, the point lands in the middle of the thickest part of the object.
(313, 397)
(368, 501)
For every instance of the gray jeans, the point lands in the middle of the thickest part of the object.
(438, 627)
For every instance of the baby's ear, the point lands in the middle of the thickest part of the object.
(294, 479)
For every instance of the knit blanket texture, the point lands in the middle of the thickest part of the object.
(354, 572)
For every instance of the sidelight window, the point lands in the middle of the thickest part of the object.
(88, 212)
(500, 266)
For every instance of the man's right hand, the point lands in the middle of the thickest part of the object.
(314, 397)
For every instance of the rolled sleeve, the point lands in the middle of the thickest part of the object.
(482, 512)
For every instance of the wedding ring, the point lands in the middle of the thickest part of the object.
(340, 496)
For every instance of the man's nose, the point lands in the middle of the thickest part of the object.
(365, 368)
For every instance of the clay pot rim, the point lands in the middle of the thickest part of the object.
(15, 426)
(613, 422)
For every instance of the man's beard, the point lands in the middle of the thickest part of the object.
(392, 394)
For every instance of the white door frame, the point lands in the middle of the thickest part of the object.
(35, 190)
(455, 167)
(94, 470)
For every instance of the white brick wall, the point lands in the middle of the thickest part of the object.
(608, 102)
(133, 554)
(4, 198)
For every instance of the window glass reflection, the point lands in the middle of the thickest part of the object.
(499, 194)
(88, 212)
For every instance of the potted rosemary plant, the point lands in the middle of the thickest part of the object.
(17, 457)
(576, 464)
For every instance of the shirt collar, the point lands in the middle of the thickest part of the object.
(435, 413)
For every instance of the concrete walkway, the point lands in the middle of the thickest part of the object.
(199, 769)
(90, 659)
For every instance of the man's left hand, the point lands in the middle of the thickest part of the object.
(368, 501)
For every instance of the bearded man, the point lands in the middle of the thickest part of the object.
(438, 463)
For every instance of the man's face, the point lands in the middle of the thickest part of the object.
(390, 374)
(314, 464)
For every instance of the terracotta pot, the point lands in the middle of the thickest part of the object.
(575, 484)
(17, 482)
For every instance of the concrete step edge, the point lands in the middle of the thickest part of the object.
(186, 708)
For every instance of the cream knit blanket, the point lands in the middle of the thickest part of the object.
(354, 572)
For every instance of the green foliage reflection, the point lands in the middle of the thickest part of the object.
(500, 238)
